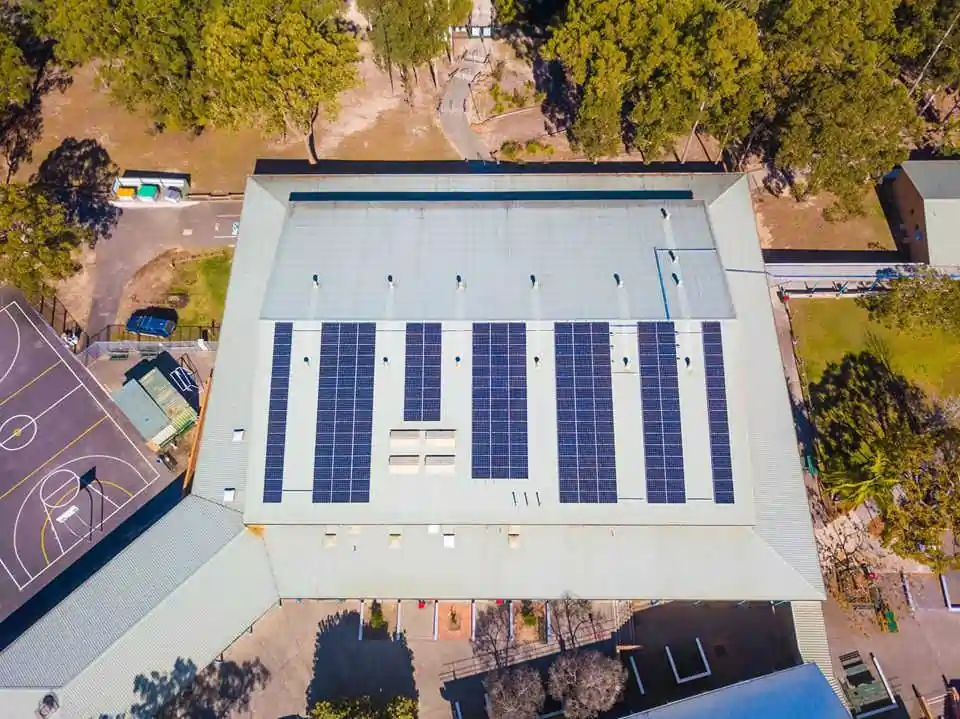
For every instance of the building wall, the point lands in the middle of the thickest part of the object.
(913, 222)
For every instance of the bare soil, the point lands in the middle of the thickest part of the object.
(524, 632)
(785, 223)
(450, 628)
(76, 293)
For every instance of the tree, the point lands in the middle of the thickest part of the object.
(873, 429)
(666, 65)
(409, 33)
(846, 129)
(365, 708)
(37, 240)
(924, 300)
(515, 693)
(586, 683)
(927, 32)
(492, 634)
(149, 53)
(16, 76)
(278, 64)
(570, 616)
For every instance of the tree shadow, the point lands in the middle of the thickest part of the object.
(346, 667)
(79, 174)
(184, 693)
(561, 97)
(21, 125)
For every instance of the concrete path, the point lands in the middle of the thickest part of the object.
(456, 100)
(143, 233)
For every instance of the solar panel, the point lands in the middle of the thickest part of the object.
(421, 394)
(660, 400)
(341, 466)
(499, 400)
(720, 458)
(585, 442)
(277, 413)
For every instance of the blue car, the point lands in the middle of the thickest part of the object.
(145, 323)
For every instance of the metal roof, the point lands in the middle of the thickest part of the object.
(800, 692)
(187, 537)
(938, 182)
(141, 409)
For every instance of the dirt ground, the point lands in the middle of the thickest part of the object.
(76, 293)
(784, 223)
(220, 160)
(151, 284)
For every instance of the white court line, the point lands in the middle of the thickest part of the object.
(101, 493)
(97, 401)
(16, 354)
(35, 418)
(79, 542)
(56, 536)
(103, 519)
(10, 574)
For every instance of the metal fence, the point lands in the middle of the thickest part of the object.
(63, 323)
(183, 333)
(143, 350)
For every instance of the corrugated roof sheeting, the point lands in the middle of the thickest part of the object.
(196, 622)
(934, 179)
(101, 610)
(675, 562)
(943, 244)
(796, 693)
(783, 517)
(141, 410)
(222, 462)
(812, 639)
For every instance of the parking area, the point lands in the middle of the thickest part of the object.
(70, 468)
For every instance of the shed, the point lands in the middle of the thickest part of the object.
(145, 414)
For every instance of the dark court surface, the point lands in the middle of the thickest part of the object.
(72, 468)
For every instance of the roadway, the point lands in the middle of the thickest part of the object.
(143, 233)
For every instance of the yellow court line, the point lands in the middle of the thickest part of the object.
(80, 436)
(43, 528)
(48, 369)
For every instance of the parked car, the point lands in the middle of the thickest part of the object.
(155, 324)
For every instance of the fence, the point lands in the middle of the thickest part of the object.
(145, 349)
(62, 322)
(183, 333)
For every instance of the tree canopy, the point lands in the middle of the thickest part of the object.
(925, 300)
(586, 682)
(277, 64)
(37, 239)
(365, 708)
(16, 75)
(409, 33)
(515, 693)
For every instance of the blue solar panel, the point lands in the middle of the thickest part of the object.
(421, 394)
(499, 400)
(277, 417)
(660, 400)
(585, 443)
(720, 458)
(341, 466)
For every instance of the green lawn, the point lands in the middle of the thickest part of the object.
(829, 328)
(204, 281)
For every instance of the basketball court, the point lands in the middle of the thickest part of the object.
(71, 468)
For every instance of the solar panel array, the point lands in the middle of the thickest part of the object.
(421, 395)
(277, 417)
(341, 469)
(499, 400)
(585, 441)
(660, 400)
(720, 459)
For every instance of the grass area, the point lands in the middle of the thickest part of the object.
(204, 282)
(827, 329)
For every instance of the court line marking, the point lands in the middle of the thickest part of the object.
(80, 541)
(94, 398)
(5, 441)
(46, 521)
(76, 439)
(48, 369)
(16, 355)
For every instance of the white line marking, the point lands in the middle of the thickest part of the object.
(16, 354)
(67, 513)
(55, 535)
(79, 386)
(103, 519)
(10, 574)
(93, 397)
(102, 494)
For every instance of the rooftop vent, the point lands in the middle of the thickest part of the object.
(394, 542)
(390, 280)
(536, 360)
(616, 278)
(238, 434)
(533, 282)
(330, 538)
(673, 256)
(316, 280)
(665, 213)
(513, 539)
(676, 279)
(229, 495)
(449, 540)
(459, 282)
(404, 463)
